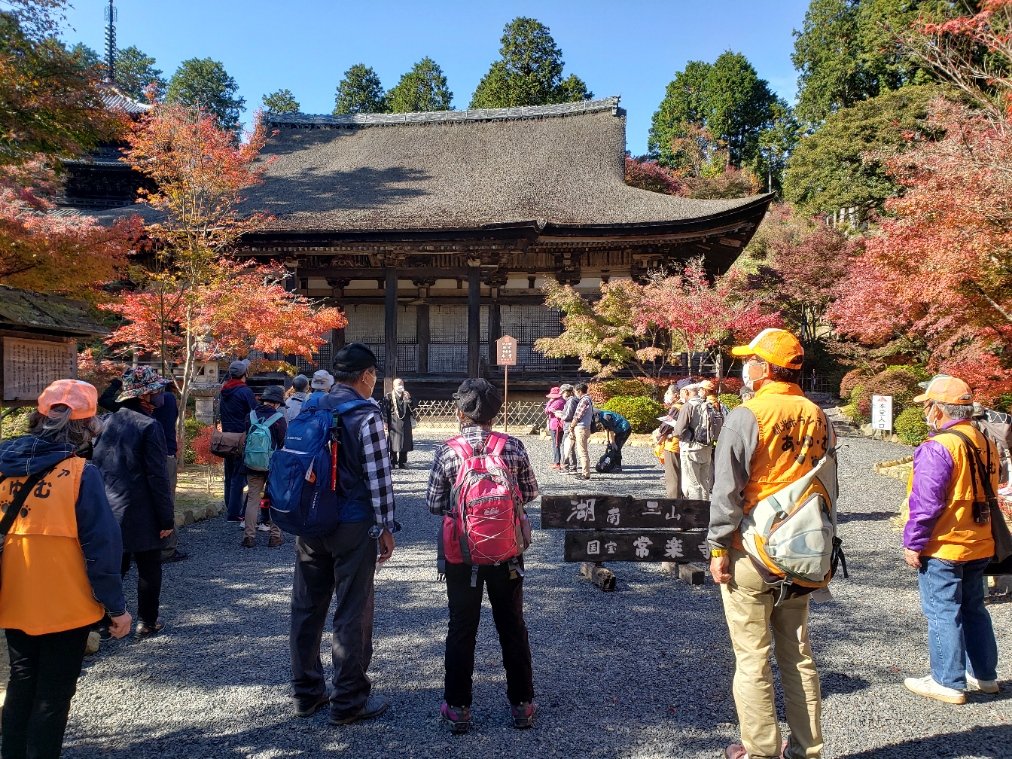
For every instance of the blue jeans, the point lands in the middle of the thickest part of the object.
(960, 635)
(235, 481)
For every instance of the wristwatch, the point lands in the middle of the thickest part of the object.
(717, 552)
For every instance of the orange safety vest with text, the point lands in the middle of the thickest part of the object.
(44, 585)
(793, 437)
(956, 537)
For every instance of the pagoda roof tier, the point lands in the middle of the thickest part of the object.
(556, 169)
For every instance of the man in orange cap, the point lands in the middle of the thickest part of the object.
(947, 539)
(765, 444)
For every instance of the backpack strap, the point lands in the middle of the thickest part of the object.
(977, 470)
(269, 421)
(498, 444)
(253, 418)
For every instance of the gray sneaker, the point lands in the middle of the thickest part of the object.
(373, 707)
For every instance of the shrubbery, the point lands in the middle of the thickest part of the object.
(852, 379)
(192, 431)
(641, 412)
(731, 400)
(910, 426)
(602, 392)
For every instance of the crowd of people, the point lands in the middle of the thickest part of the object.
(85, 498)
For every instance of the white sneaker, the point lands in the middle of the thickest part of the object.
(927, 687)
(242, 525)
(263, 528)
(984, 686)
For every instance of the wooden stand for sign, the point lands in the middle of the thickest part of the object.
(598, 574)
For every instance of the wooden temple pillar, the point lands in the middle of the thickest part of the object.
(422, 329)
(473, 317)
(495, 280)
(390, 325)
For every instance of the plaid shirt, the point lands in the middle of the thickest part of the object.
(446, 466)
(376, 467)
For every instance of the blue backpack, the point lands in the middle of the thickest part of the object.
(302, 486)
(259, 442)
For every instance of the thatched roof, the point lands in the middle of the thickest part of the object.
(559, 165)
(49, 314)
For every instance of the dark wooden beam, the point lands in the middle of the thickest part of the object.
(390, 329)
(422, 336)
(605, 512)
(473, 321)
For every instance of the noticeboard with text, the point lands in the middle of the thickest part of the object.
(506, 351)
(882, 412)
(29, 366)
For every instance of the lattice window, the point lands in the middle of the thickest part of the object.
(527, 323)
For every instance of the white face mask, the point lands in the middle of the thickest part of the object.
(746, 380)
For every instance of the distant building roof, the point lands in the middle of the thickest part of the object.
(49, 314)
(115, 100)
(557, 165)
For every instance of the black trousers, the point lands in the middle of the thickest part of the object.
(342, 566)
(149, 582)
(400, 458)
(44, 672)
(507, 598)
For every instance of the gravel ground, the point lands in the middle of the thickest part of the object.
(643, 672)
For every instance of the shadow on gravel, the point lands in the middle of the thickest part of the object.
(835, 683)
(979, 742)
(865, 516)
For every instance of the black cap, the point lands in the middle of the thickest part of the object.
(354, 357)
(478, 400)
(273, 393)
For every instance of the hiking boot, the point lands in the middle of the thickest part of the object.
(373, 707)
(275, 541)
(523, 714)
(927, 687)
(984, 686)
(308, 709)
(249, 542)
(459, 717)
(147, 631)
(176, 556)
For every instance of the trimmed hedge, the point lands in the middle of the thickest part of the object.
(641, 412)
(910, 426)
(851, 380)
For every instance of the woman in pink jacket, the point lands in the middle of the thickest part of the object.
(555, 403)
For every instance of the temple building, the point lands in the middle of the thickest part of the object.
(435, 231)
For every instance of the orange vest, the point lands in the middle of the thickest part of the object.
(956, 537)
(44, 585)
(793, 437)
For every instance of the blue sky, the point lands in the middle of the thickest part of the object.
(630, 48)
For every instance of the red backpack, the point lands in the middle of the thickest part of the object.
(487, 522)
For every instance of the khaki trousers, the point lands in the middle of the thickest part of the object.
(581, 436)
(255, 482)
(697, 470)
(754, 623)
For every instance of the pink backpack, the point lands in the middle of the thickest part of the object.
(487, 521)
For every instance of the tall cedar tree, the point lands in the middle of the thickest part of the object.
(423, 88)
(848, 51)
(281, 101)
(528, 72)
(204, 83)
(360, 91)
(196, 302)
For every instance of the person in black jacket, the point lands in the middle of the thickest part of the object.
(234, 404)
(272, 402)
(131, 456)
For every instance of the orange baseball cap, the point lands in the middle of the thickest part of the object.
(81, 397)
(774, 346)
(945, 389)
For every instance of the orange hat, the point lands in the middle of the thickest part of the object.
(81, 397)
(945, 389)
(774, 346)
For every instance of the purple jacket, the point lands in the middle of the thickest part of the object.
(556, 404)
(929, 496)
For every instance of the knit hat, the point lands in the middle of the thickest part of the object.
(238, 369)
(140, 380)
(273, 393)
(322, 380)
(478, 400)
(354, 357)
(80, 397)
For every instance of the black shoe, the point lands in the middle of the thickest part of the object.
(373, 707)
(102, 628)
(143, 631)
(306, 710)
(176, 556)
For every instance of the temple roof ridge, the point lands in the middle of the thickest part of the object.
(517, 113)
